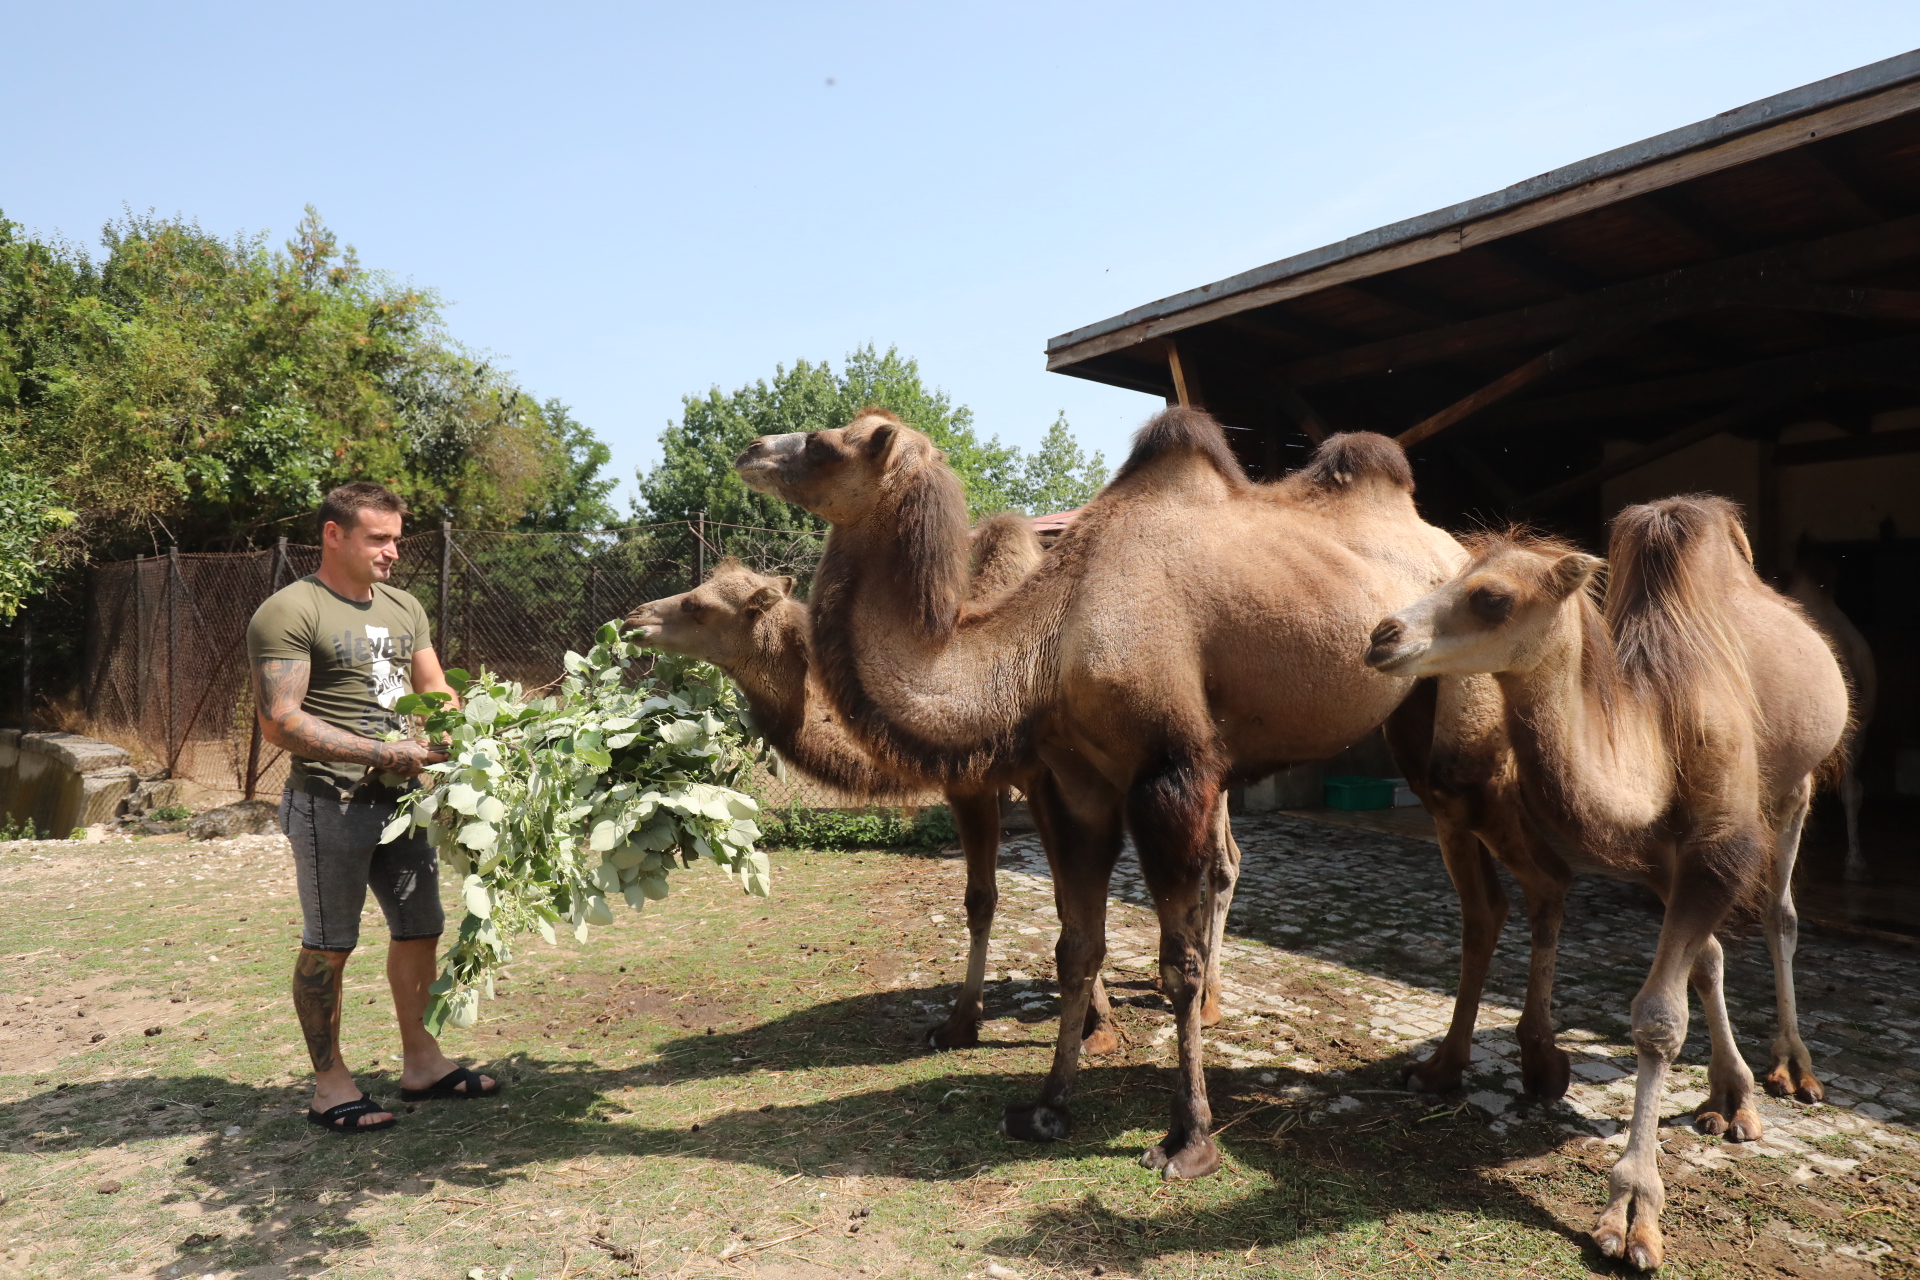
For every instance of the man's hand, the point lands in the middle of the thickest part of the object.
(280, 684)
(409, 757)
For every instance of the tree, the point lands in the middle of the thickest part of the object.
(1059, 475)
(695, 472)
(214, 390)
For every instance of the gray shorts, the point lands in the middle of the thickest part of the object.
(337, 857)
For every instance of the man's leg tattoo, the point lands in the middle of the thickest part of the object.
(316, 998)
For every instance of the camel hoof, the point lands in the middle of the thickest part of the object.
(1644, 1251)
(1810, 1092)
(1547, 1074)
(1036, 1123)
(1746, 1126)
(1155, 1156)
(1711, 1123)
(1197, 1159)
(1431, 1076)
(955, 1035)
(1210, 1014)
(1100, 1041)
(1785, 1081)
(1610, 1240)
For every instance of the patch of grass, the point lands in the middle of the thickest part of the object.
(873, 828)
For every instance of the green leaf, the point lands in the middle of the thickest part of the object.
(397, 828)
(458, 679)
(478, 835)
(478, 901)
(491, 809)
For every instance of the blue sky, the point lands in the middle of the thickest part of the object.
(629, 203)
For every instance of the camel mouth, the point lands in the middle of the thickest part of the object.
(1393, 659)
(756, 473)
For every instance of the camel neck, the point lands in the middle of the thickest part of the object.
(1600, 769)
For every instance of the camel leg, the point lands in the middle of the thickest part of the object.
(1729, 1106)
(1483, 912)
(1792, 1071)
(1545, 1069)
(1222, 875)
(1082, 845)
(1171, 814)
(1629, 1227)
(977, 818)
(1851, 794)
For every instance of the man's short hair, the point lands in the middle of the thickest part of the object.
(344, 505)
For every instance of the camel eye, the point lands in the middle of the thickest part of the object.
(1490, 604)
(692, 608)
(818, 450)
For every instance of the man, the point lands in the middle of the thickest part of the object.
(331, 655)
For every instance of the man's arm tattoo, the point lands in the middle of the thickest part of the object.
(316, 999)
(279, 686)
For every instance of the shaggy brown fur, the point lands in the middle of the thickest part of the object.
(1697, 777)
(1246, 658)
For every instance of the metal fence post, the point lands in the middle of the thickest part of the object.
(173, 647)
(443, 643)
(699, 549)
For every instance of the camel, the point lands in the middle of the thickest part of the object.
(749, 626)
(1246, 658)
(1673, 738)
(1811, 587)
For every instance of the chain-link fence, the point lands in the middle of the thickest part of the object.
(166, 662)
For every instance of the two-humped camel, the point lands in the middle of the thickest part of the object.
(748, 625)
(1673, 738)
(1190, 628)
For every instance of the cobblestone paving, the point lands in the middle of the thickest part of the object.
(1376, 914)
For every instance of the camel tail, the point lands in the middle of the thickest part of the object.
(1005, 550)
(1176, 431)
(1675, 565)
(1352, 458)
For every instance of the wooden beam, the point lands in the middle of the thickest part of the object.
(1599, 192)
(1552, 497)
(1302, 414)
(1489, 479)
(1564, 356)
(1875, 444)
(1833, 258)
(1895, 361)
(1185, 393)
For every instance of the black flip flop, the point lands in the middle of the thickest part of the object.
(344, 1119)
(447, 1086)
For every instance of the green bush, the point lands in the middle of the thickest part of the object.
(798, 828)
(171, 813)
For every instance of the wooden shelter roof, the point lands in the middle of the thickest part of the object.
(1759, 267)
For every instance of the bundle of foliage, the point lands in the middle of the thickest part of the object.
(695, 472)
(548, 808)
(209, 391)
(798, 828)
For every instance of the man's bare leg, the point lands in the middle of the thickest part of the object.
(411, 968)
(316, 999)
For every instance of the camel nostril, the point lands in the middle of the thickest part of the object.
(1387, 632)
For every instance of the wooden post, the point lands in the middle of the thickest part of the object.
(699, 549)
(1186, 393)
(173, 647)
(443, 644)
(140, 644)
(253, 739)
(24, 622)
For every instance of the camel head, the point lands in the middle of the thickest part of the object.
(839, 474)
(716, 621)
(1494, 615)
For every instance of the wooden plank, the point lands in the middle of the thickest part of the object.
(1606, 190)
(1182, 396)
(1549, 498)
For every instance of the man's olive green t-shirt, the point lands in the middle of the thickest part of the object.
(361, 656)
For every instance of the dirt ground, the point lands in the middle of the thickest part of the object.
(728, 1085)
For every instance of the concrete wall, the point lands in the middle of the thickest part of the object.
(61, 780)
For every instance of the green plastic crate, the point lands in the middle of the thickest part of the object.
(1359, 793)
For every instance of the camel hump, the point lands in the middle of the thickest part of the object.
(1181, 431)
(1354, 457)
(1005, 550)
(1675, 567)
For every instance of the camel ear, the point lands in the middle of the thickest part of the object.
(1571, 572)
(880, 441)
(786, 584)
(763, 599)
